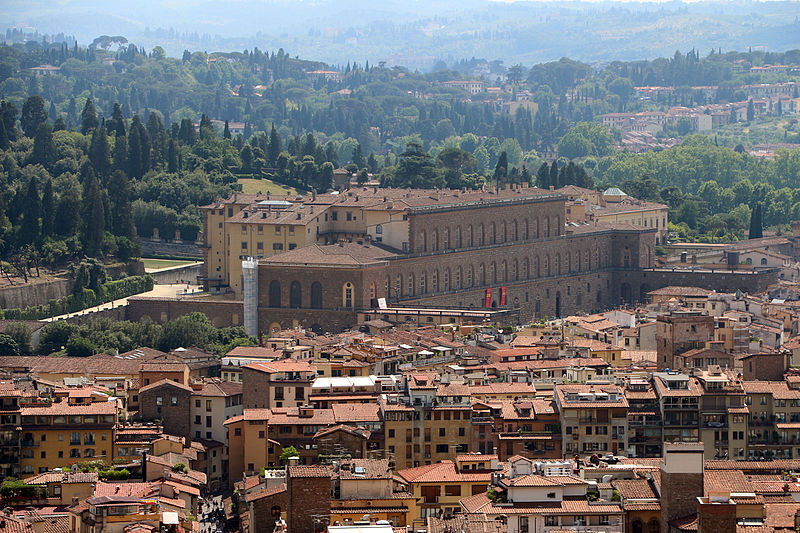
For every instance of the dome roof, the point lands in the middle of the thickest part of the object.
(614, 191)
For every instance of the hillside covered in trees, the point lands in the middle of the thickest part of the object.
(103, 146)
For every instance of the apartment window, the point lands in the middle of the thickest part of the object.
(442, 432)
(173, 400)
(523, 524)
(237, 432)
(391, 433)
(277, 246)
(197, 403)
(452, 490)
(442, 448)
(292, 246)
(334, 215)
(208, 421)
(277, 230)
(349, 215)
(259, 246)
(197, 419)
(208, 406)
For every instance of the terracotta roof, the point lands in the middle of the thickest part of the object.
(365, 469)
(441, 472)
(64, 408)
(284, 365)
(165, 383)
(680, 291)
(62, 477)
(475, 457)
(272, 491)
(531, 480)
(356, 412)
(332, 254)
(301, 471)
(137, 490)
(634, 488)
(219, 388)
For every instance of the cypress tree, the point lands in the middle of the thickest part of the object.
(226, 133)
(32, 211)
(100, 153)
(756, 226)
(93, 214)
(500, 169)
(119, 194)
(4, 141)
(44, 149)
(172, 157)
(117, 122)
(543, 176)
(89, 119)
(554, 175)
(33, 114)
(120, 153)
(48, 209)
(275, 146)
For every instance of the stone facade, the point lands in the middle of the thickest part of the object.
(680, 332)
(309, 498)
(169, 402)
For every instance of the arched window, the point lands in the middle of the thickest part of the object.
(493, 272)
(275, 293)
(501, 275)
(514, 270)
(470, 236)
(526, 268)
(469, 277)
(546, 265)
(446, 239)
(480, 234)
(435, 241)
(458, 237)
(515, 234)
(295, 295)
(457, 278)
(546, 229)
(435, 281)
(493, 233)
(653, 526)
(536, 228)
(446, 279)
(482, 275)
(423, 242)
(347, 295)
(763, 260)
(316, 295)
(525, 230)
(410, 285)
(422, 283)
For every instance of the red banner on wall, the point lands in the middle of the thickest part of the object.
(503, 295)
(488, 302)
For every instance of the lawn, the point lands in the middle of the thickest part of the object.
(154, 264)
(254, 186)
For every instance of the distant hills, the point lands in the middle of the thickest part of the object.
(420, 33)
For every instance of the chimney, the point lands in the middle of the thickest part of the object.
(681, 479)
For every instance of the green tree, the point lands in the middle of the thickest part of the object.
(94, 215)
(119, 194)
(100, 153)
(32, 212)
(33, 114)
(44, 149)
(416, 169)
(5, 142)
(500, 169)
(78, 346)
(756, 225)
(751, 111)
(48, 208)
(554, 175)
(543, 176)
(286, 453)
(226, 133)
(8, 346)
(21, 333)
(89, 120)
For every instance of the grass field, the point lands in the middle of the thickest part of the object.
(153, 264)
(254, 186)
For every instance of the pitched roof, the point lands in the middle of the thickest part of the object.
(441, 472)
(283, 365)
(303, 471)
(165, 383)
